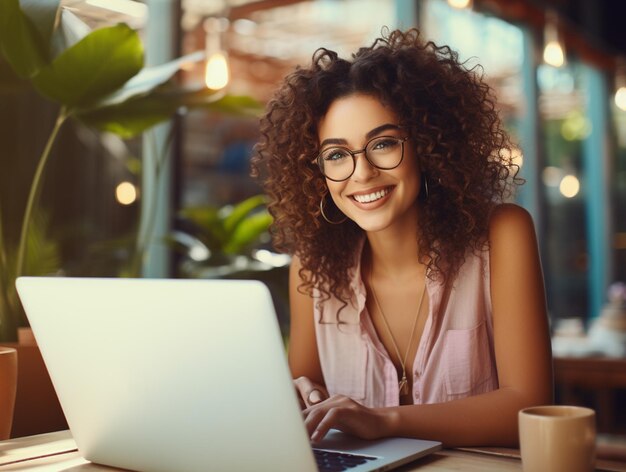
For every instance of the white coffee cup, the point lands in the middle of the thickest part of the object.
(557, 438)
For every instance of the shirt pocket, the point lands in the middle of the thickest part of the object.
(346, 375)
(467, 360)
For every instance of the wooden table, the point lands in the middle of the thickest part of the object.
(57, 452)
(599, 376)
(590, 372)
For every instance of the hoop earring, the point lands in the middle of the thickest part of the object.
(324, 215)
(425, 187)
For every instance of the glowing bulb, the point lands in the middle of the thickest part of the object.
(513, 155)
(569, 186)
(460, 4)
(553, 54)
(620, 98)
(126, 193)
(216, 75)
(517, 157)
(126, 7)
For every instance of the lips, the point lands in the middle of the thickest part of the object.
(371, 196)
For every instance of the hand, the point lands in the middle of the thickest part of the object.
(309, 393)
(346, 415)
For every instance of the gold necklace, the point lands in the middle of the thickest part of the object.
(403, 384)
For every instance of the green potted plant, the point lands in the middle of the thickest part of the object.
(96, 77)
(217, 241)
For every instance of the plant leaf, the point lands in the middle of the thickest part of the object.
(247, 232)
(138, 114)
(147, 80)
(42, 258)
(94, 67)
(129, 119)
(208, 226)
(70, 31)
(20, 41)
(242, 105)
(241, 210)
(204, 216)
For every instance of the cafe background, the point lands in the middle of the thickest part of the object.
(183, 187)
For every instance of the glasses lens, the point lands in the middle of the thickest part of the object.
(336, 163)
(385, 152)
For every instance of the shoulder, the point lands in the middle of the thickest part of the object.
(512, 241)
(510, 222)
(509, 213)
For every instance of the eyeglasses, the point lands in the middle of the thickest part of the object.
(338, 163)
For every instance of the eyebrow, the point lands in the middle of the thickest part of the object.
(369, 135)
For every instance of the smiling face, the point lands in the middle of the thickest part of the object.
(373, 198)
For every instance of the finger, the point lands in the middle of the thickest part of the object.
(331, 402)
(315, 396)
(303, 387)
(330, 420)
(310, 392)
(313, 416)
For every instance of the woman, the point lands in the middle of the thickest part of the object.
(417, 299)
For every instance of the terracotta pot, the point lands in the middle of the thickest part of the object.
(8, 388)
(37, 409)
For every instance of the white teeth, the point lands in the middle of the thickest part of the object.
(371, 197)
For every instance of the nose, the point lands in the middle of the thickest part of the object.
(363, 170)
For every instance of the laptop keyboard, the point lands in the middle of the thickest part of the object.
(332, 461)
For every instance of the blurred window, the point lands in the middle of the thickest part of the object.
(564, 126)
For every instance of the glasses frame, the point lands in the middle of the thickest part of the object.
(320, 162)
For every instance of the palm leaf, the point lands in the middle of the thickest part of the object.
(241, 211)
(248, 231)
(42, 258)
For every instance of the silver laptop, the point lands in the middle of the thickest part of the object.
(180, 375)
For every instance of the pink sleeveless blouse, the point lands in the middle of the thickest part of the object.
(455, 357)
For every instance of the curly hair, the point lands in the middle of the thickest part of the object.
(450, 115)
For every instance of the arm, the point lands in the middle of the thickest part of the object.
(522, 349)
(303, 357)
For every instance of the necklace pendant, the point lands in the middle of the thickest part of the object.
(403, 385)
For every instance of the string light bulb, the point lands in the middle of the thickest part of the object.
(217, 74)
(460, 4)
(553, 51)
(620, 84)
(569, 186)
(126, 193)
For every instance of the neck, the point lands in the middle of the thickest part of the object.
(393, 251)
